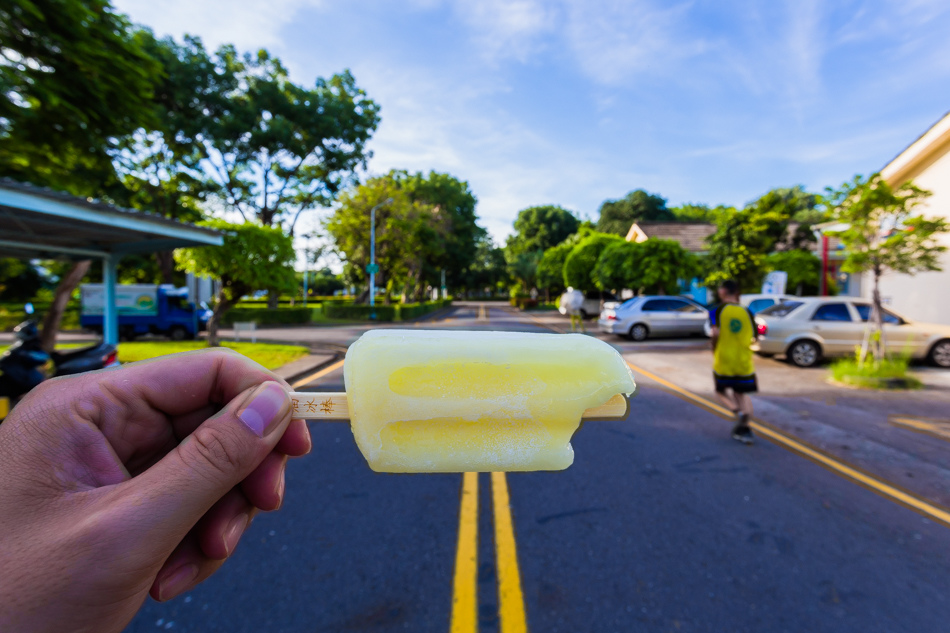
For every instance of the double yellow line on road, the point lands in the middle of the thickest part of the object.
(511, 610)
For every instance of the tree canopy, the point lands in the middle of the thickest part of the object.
(653, 266)
(253, 257)
(74, 77)
(616, 216)
(415, 220)
(580, 263)
(539, 228)
(881, 232)
(744, 238)
(802, 267)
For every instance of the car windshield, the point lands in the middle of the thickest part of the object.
(781, 309)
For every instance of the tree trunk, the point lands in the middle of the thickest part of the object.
(273, 298)
(878, 317)
(220, 308)
(61, 297)
(166, 265)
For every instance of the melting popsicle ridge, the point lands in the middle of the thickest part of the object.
(450, 401)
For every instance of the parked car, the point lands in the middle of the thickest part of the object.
(807, 329)
(756, 303)
(594, 302)
(653, 315)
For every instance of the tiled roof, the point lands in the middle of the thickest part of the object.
(690, 235)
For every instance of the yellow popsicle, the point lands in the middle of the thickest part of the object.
(457, 401)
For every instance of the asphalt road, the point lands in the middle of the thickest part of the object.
(663, 523)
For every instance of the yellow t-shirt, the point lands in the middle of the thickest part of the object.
(733, 356)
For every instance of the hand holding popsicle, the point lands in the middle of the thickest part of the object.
(456, 401)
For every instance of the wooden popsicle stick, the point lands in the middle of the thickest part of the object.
(331, 406)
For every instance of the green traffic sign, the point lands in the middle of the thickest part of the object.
(372, 269)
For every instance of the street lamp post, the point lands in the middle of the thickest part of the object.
(372, 268)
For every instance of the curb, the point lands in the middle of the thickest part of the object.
(335, 357)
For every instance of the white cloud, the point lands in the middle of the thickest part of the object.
(614, 40)
(508, 28)
(249, 24)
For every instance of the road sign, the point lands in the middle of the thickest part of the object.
(372, 269)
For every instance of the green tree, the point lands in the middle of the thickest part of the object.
(253, 257)
(803, 269)
(73, 78)
(653, 266)
(616, 216)
(524, 269)
(19, 280)
(691, 212)
(280, 149)
(744, 238)
(884, 234)
(489, 270)
(161, 167)
(540, 228)
(664, 263)
(580, 263)
(453, 200)
(551, 267)
(410, 235)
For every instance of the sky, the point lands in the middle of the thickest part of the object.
(573, 102)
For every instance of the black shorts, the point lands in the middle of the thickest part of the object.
(739, 384)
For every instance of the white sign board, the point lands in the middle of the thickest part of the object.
(775, 283)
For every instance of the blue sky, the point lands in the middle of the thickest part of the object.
(576, 101)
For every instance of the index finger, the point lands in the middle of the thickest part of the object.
(181, 383)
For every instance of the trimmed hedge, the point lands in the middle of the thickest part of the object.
(269, 316)
(395, 312)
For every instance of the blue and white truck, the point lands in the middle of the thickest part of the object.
(145, 309)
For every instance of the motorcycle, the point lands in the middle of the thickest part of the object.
(21, 365)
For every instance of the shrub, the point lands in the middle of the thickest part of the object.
(890, 373)
(269, 316)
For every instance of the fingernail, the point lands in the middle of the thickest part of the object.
(263, 407)
(234, 531)
(177, 581)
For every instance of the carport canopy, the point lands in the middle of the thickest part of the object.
(38, 223)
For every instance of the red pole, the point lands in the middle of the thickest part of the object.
(824, 266)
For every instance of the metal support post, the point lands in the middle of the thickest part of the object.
(110, 315)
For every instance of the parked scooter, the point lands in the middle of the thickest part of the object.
(21, 365)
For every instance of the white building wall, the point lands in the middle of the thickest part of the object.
(924, 296)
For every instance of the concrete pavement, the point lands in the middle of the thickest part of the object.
(662, 524)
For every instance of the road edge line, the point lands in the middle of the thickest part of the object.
(883, 488)
(317, 374)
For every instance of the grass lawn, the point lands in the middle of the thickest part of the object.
(267, 354)
(890, 373)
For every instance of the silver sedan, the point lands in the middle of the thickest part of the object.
(653, 315)
(808, 329)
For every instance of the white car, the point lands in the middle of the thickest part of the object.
(653, 315)
(807, 329)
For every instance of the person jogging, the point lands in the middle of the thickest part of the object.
(733, 331)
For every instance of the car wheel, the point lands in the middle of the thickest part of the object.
(177, 333)
(940, 354)
(639, 332)
(804, 353)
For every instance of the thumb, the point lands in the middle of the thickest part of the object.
(213, 459)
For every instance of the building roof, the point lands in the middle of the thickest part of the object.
(39, 223)
(914, 158)
(690, 235)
